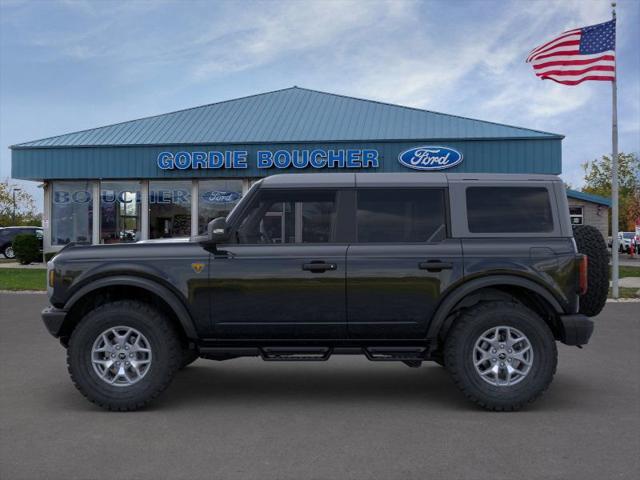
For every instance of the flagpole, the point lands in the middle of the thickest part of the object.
(614, 176)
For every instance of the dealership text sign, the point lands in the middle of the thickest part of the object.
(265, 159)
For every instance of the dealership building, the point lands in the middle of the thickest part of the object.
(169, 175)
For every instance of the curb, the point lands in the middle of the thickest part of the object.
(623, 300)
(23, 292)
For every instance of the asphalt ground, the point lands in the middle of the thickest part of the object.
(343, 419)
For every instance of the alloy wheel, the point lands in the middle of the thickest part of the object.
(502, 356)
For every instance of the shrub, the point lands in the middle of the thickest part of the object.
(26, 248)
(48, 256)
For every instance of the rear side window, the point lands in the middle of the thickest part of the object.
(509, 210)
(394, 215)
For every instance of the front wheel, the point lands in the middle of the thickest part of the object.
(501, 355)
(8, 252)
(123, 354)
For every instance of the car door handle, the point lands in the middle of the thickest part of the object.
(318, 267)
(435, 266)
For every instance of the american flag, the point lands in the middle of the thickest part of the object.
(587, 53)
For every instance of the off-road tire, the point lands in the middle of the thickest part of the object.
(458, 354)
(590, 242)
(188, 357)
(164, 342)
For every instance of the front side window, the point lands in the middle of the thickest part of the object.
(216, 199)
(71, 213)
(391, 215)
(509, 210)
(119, 212)
(169, 209)
(289, 217)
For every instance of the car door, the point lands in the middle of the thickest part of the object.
(283, 275)
(401, 262)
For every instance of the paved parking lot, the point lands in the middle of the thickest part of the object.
(348, 418)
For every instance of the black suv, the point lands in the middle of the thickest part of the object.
(479, 273)
(7, 234)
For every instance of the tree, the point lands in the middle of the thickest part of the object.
(597, 180)
(25, 207)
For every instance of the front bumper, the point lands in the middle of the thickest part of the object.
(53, 319)
(576, 329)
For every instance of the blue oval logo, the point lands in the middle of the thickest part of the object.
(220, 197)
(430, 158)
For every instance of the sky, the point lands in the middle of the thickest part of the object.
(72, 65)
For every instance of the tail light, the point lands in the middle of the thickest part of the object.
(583, 281)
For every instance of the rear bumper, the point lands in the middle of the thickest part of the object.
(53, 319)
(576, 329)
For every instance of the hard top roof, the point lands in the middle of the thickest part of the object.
(408, 179)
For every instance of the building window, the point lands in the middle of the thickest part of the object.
(71, 213)
(577, 216)
(119, 212)
(169, 209)
(216, 198)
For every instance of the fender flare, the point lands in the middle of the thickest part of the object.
(174, 302)
(454, 297)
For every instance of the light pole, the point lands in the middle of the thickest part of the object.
(14, 203)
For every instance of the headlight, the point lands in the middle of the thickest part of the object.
(52, 277)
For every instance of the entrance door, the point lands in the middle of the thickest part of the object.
(285, 277)
(401, 262)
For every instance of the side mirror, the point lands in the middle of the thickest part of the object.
(217, 230)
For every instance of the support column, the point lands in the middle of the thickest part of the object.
(144, 210)
(46, 216)
(194, 208)
(95, 199)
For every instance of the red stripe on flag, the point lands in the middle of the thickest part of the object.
(565, 34)
(576, 82)
(569, 51)
(600, 68)
(557, 45)
(574, 62)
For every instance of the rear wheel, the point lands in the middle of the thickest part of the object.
(123, 354)
(501, 355)
(590, 242)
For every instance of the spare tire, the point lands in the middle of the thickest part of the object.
(590, 242)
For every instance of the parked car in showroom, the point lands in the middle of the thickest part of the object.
(482, 274)
(7, 234)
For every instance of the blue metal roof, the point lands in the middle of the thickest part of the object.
(288, 116)
(589, 197)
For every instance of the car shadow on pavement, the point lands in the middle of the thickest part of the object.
(220, 385)
(217, 385)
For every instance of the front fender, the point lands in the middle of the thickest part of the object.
(167, 295)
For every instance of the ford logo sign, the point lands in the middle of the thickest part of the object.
(430, 158)
(220, 197)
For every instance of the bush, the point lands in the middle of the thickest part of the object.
(26, 248)
(48, 256)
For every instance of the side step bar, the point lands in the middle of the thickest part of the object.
(306, 354)
(317, 353)
(395, 354)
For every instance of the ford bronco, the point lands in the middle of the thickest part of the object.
(479, 273)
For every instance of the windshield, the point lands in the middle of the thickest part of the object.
(628, 234)
(234, 211)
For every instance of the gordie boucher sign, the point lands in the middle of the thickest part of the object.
(417, 158)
